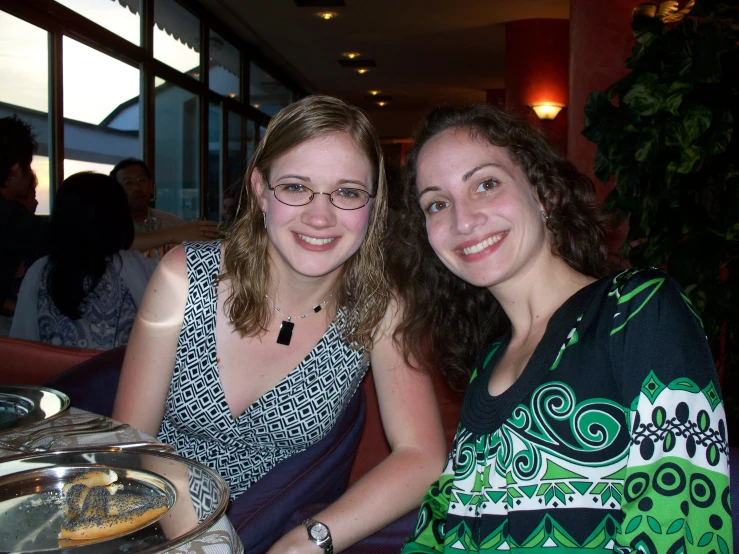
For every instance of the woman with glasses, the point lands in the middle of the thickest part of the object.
(245, 352)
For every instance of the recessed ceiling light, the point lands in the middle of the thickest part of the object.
(255, 105)
(373, 92)
(351, 55)
(362, 70)
(382, 103)
(232, 95)
(327, 15)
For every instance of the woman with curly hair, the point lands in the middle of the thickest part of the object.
(592, 418)
(246, 351)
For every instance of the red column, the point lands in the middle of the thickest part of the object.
(600, 43)
(537, 62)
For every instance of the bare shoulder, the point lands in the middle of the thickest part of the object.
(167, 290)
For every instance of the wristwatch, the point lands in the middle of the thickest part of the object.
(319, 534)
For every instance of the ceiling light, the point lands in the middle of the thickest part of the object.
(382, 103)
(362, 70)
(232, 95)
(373, 92)
(547, 110)
(327, 15)
(351, 55)
(255, 105)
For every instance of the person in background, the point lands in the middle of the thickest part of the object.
(85, 293)
(156, 230)
(593, 418)
(273, 329)
(23, 236)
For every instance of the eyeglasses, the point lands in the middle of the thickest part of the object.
(295, 194)
(137, 181)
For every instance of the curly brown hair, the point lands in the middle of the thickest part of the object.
(447, 321)
(362, 288)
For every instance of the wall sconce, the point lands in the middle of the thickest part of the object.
(547, 110)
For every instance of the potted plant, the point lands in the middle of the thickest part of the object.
(668, 134)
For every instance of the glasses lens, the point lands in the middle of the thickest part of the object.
(293, 195)
(349, 199)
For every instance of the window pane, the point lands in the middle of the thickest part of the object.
(101, 115)
(214, 162)
(224, 64)
(236, 152)
(266, 93)
(120, 17)
(24, 89)
(176, 149)
(176, 37)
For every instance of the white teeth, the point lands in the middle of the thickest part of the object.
(482, 245)
(317, 242)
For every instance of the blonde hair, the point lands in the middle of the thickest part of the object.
(362, 288)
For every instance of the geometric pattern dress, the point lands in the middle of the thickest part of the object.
(612, 440)
(298, 412)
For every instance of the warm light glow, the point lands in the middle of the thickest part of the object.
(351, 55)
(255, 105)
(382, 103)
(374, 92)
(362, 70)
(547, 110)
(327, 15)
(232, 95)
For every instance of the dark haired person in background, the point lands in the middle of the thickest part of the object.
(22, 235)
(156, 230)
(85, 294)
(593, 417)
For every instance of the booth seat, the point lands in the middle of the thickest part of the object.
(25, 362)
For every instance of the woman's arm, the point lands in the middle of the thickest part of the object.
(676, 485)
(150, 354)
(25, 321)
(412, 424)
(198, 230)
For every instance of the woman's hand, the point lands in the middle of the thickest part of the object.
(198, 230)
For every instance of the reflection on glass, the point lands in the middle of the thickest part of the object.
(224, 67)
(176, 148)
(236, 152)
(24, 85)
(177, 37)
(120, 17)
(266, 93)
(214, 162)
(101, 115)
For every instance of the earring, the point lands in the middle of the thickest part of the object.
(264, 215)
(544, 215)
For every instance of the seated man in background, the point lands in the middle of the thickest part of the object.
(156, 230)
(23, 236)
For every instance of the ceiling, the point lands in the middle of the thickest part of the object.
(426, 51)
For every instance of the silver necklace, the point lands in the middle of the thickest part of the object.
(286, 327)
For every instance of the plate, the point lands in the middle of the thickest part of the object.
(25, 405)
(31, 510)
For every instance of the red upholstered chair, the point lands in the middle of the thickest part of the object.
(25, 362)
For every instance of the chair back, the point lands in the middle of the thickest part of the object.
(25, 362)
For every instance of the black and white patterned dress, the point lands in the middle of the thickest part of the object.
(299, 411)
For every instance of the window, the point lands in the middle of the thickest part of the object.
(101, 111)
(120, 17)
(267, 93)
(177, 177)
(214, 162)
(224, 72)
(24, 55)
(176, 37)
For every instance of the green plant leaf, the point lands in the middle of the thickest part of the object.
(724, 132)
(696, 120)
(598, 110)
(691, 160)
(645, 97)
(675, 94)
(646, 144)
(602, 169)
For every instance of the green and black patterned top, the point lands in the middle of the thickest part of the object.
(613, 438)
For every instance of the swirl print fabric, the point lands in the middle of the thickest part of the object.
(612, 440)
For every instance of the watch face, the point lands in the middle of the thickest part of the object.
(319, 531)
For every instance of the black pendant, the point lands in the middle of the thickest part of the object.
(286, 333)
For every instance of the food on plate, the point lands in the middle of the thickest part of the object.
(95, 511)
